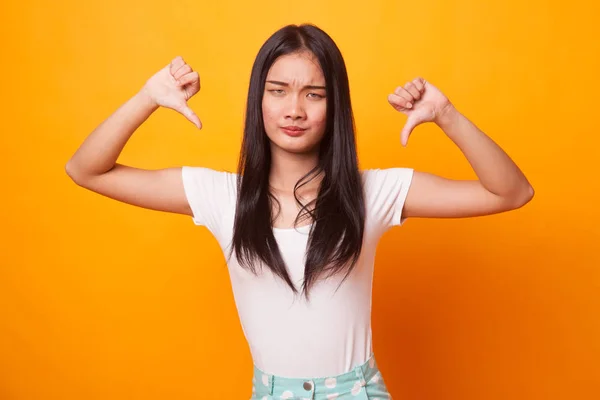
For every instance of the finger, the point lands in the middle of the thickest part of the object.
(412, 89)
(419, 83)
(176, 63)
(403, 93)
(192, 77)
(190, 115)
(400, 91)
(407, 130)
(184, 69)
(399, 102)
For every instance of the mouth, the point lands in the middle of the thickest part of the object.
(292, 130)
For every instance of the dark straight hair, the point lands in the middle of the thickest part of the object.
(338, 212)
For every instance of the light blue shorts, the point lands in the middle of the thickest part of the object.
(364, 382)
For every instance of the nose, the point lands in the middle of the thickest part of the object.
(295, 108)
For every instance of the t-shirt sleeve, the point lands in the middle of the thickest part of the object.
(210, 194)
(386, 191)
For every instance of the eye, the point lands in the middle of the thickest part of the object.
(316, 95)
(276, 91)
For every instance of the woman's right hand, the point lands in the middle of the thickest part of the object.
(173, 86)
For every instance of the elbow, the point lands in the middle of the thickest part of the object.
(531, 193)
(79, 175)
(525, 197)
(71, 172)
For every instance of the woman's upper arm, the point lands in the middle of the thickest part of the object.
(160, 189)
(433, 196)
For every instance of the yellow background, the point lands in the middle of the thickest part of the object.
(103, 300)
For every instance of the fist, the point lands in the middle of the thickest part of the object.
(173, 86)
(421, 102)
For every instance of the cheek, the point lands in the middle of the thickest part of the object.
(318, 117)
(270, 113)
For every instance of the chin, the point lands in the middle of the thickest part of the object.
(296, 149)
(305, 143)
(294, 145)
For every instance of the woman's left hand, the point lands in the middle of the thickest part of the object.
(421, 102)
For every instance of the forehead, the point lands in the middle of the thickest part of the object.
(297, 68)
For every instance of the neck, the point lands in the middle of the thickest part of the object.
(288, 168)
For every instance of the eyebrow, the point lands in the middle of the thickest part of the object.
(305, 87)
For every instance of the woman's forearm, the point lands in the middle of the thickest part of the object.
(100, 150)
(494, 168)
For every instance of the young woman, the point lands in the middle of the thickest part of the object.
(299, 222)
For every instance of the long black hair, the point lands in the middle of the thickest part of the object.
(338, 212)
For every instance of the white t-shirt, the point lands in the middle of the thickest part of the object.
(287, 335)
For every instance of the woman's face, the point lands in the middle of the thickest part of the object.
(295, 97)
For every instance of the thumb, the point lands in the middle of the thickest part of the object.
(190, 115)
(410, 124)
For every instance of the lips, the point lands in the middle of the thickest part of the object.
(293, 130)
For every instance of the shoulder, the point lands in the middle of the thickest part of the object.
(197, 172)
(385, 193)
(211, 193)
(194, 176)
(382, 178)
(203, 183)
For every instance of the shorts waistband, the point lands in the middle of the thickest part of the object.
(357, 377)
